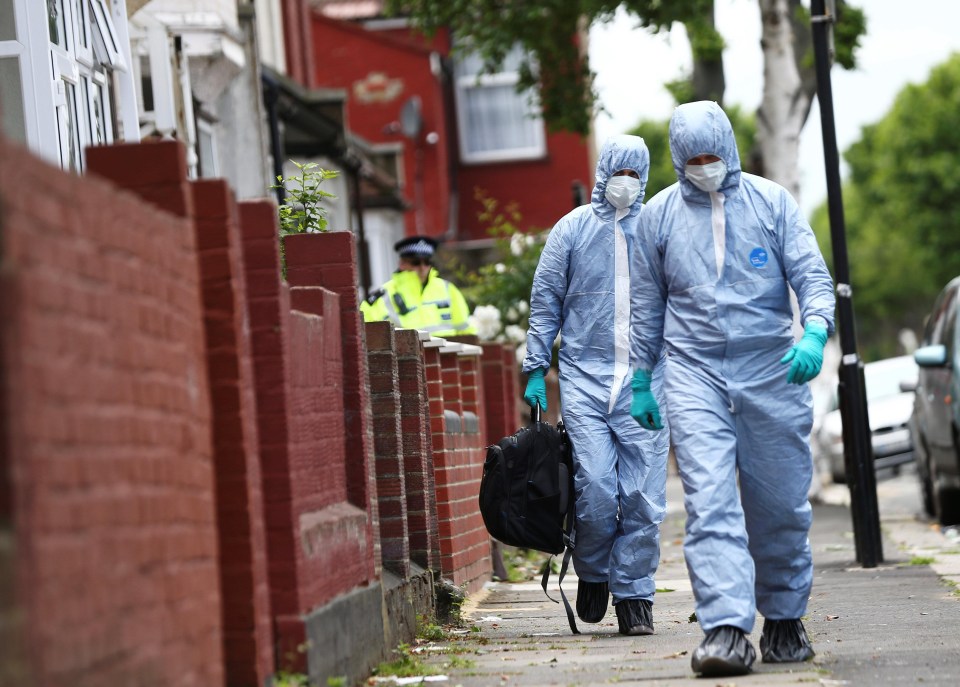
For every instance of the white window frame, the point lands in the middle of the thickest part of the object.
(58, 81)
(468, 82)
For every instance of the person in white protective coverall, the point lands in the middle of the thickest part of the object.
(581, 289)
(717, 254)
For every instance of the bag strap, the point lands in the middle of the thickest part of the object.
(570, 542)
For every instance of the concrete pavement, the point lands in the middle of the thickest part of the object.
(896, 624)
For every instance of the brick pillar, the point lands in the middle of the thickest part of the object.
(500, 390)
(417, 450)
(155, 170)
(329, 260)
(435, 419)
(388, 448)
(268, 308)
(247, 635)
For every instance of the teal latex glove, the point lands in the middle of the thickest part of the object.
(536, 389)
(644, 408)
(806, 356)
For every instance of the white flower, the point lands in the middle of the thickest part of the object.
(523, 307)
(521, 353)
(529, 240)
(512, 315)
(486, 320)
(517, 244)
(515, 333)
(500, 268)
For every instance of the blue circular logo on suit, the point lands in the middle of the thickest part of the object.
(758, 257)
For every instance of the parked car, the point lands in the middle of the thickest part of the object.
(935, 423)
(890, 384)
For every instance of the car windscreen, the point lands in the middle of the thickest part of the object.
(883, 377)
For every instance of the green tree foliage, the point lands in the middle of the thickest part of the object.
(902, 209)
(656, 135)
(548, 31)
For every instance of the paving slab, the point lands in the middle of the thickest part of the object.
(896, 624)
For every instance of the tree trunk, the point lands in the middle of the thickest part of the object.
(707, 80)
(785, 103)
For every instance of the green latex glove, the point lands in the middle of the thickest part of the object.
(536, 389)
(806, 356)
(644, 408)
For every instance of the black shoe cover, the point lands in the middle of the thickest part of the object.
(724, 651)
(784, 641)
(635, 617)
(592, 601)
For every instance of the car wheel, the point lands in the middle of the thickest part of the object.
(948, 506)
(926, 495)
(922, 457)
(946, 499)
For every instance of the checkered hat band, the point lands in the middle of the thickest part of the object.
(421, 248)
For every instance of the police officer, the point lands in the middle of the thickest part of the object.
(417, 297)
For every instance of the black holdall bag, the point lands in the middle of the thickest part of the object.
(527, 496)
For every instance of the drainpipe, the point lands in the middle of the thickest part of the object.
(271, 96)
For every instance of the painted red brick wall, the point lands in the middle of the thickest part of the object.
(541, 188)
(109, 444)
(297, 42)
(350, 57)
(248, 634)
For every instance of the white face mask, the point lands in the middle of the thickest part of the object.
(707, 177)
(622, 191)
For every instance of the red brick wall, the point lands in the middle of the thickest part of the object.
(417, 451)
(248, 635)
(329, 260)
(458, 466)
(388, 447)
(109, 444)
(501, 390)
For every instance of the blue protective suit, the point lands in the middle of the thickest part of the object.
(581, 290)
(713, 271)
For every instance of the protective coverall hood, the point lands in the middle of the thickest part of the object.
(702, 128)
(619, 152)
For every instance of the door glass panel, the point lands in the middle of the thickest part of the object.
(57, 20)
(98, 117)
(8, 24)
(73, 149)
(11, 95)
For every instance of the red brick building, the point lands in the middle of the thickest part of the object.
(460, 131)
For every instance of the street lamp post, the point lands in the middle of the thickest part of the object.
(858, 453)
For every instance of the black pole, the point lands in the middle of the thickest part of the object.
(364, 251)
(858, 453)
(272, 95)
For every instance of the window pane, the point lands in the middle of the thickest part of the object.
(496, 122)
(84, 28)
(73, 149)
(11, 95)
(98, 117)
(498, 118)
(57, 21)
(8, 24)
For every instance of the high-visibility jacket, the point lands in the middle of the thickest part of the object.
(437, 307)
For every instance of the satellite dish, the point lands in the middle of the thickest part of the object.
(411, 119)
